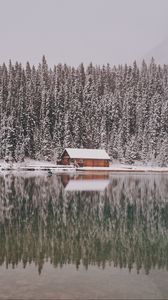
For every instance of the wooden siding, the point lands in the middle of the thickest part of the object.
(65, 159)
(93, 162)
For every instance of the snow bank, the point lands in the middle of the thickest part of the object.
(35, 165)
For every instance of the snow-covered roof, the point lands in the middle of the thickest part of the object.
(87, 153)
(87, 185)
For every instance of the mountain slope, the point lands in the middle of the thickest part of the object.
(160, 53)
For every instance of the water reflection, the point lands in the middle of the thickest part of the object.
(86, 182)
(124, 222)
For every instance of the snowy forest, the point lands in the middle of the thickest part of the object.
(123, 109)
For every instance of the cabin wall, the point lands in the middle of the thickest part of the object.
(97, 163)
(92, 162)
(66, 160)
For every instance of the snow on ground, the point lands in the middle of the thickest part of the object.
(33, 165)
(126, 168)
(36, 165)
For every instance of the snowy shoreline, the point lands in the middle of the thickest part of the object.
(33, 165)
(126, 169)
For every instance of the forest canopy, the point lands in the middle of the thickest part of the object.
(123, 109)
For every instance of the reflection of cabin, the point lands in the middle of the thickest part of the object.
(85, 177)
(85, 182)
(85, 157)
(87, 185)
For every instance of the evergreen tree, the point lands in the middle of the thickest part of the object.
(123, 109)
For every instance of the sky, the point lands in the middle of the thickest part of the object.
(75, 31)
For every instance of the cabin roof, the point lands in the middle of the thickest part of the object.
(87, 153)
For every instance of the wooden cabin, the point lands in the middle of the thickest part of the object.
(85, 157)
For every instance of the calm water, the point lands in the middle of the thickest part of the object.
(84, 236)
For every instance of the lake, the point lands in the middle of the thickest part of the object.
(83, 236)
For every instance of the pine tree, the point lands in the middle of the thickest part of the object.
(123, 109)
(68, 139)
(10, 141)
(103, 136)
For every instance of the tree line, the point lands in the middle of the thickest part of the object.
(123, 109)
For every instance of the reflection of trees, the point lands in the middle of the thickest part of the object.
(126, 225)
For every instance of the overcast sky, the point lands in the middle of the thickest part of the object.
(75, 31)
